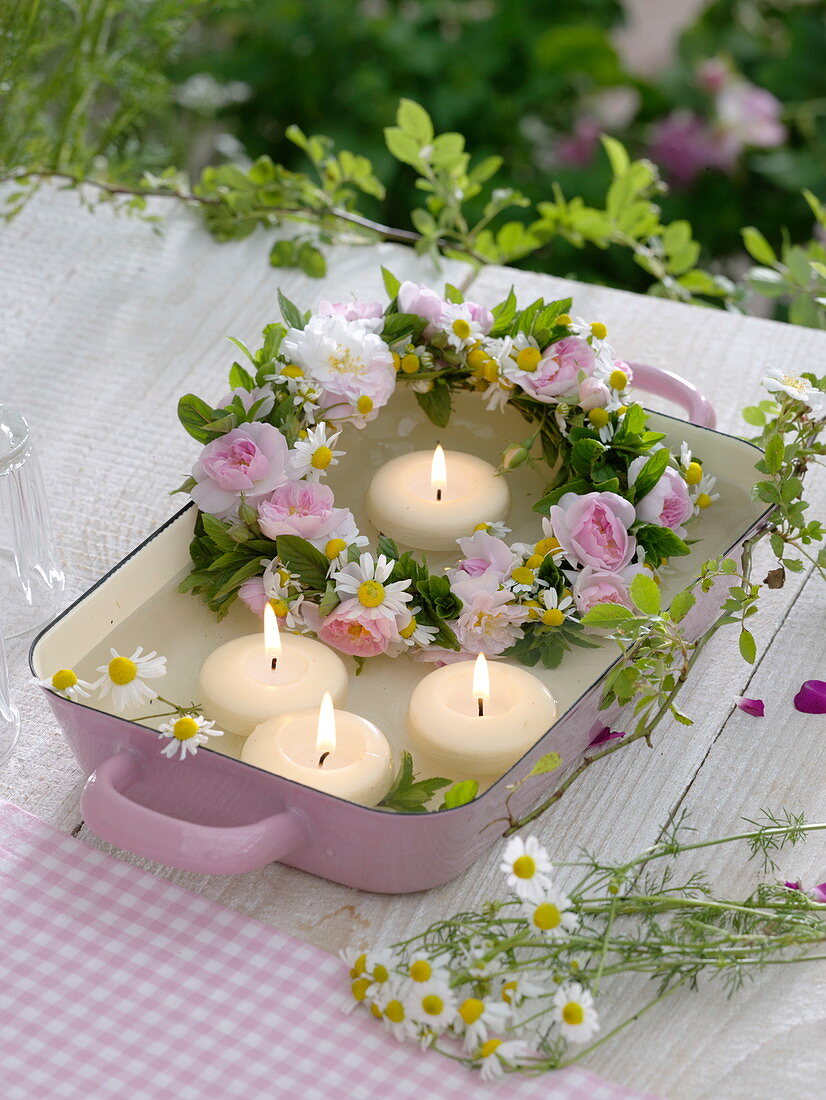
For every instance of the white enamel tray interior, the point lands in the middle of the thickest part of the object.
(139, 604)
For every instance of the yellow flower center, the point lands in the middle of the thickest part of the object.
(359, 966)
(359, 988)
(546, 916)
(397, 361)
(618, 379)
(380, 974)
(622, 409)
(553, 617)
(563, 319)
(64, 678)
(376, 1011)
(482, 527)
(407, 631)
(547, 546)
(694, 473)
(703, 500)
(598, 330)
(534, 609)
(598, 417)
(122, 671)
(185, 728)
(364, 404)
(420, 970)
(572, 1013)
(321, 458)
(523, 575)
(433, 1005)
(471, 1009)
(534, 561)
(292, 371)
(410, 363)
(280, 607)
(528, 359)
(489, 1047)
(334, 548)
(508, 990)
(371, 593)
(394, 1011)
(524, 867)
(461, 328)
(477, 357)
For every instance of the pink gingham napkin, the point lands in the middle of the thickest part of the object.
(114, 983)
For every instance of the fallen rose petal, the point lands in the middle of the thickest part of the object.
(754, 707)
(811, 699)
(819, 893)
(606, 734)
(792, 885)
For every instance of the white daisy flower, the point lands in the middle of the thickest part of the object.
(123, 678)
(391, 1002)
(475, 1019)
(375, 965)
(523, 580)
(575, 1013)
(595, 332)
(364, 593)
(498, 528)
(555, 609)
(459, 327)
(685, 455)
(311, 457)
(496, 1055)
(517, 991)
(186, 733)
(778, 381)
(523, 356)
(66, 682)
(423, 968)
(704, 495)
(431, 1004)
(414, 633)
(552, 915)
(527, 866)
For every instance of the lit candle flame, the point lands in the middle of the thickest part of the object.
(325, 741)
(481, 683)
(272, 635)
(438, 471)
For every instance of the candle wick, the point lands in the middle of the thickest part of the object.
(274, 664)
(323, 757)
(481, 707)
(438, 494)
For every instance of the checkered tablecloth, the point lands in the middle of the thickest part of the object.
(114, 983)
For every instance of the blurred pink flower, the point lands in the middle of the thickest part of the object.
(577, 149)
(251, 459)
(484, 553)
(359, 637)
(369, 314)
(748, 115)
(422, 301)
(683, 145)
(593, 394)
(559, 371)
(481, 315)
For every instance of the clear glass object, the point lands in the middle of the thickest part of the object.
(9, 718)
(31, 583)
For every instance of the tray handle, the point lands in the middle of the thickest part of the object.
(664, 383)
(208, 849)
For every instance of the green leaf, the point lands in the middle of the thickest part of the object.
(217, 532)
(547, 763)
(409, 795)
(240, 378)
(329, 601)
(402, 146)
(391, 283)
(617, 155)
(757, 246)
(438, 597)
(195, 414)
(748, 647)
(453, 294)
(311, 261)
(415, 121)
(649, 475)
(460, 793)
(397, 325)
(578, 485)
(503, 315)
(645, 593)
(436, 403)
(387, 546)
(606, 614)
(775, 451)
(681, 605)
(282, 254)
(291, 313)
(660, 543)
(301, 557)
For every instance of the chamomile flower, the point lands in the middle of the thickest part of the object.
(186, 733)
(526, 864)
(497, 528)
(496, 1055)
(517, 991)
(523, 580)
(123, 679)
(575, 1013)
(432, 1004)
(377, 966)
(66, 682)
(552, 915)
(554, 609)
(422, 968)
(704, 495)
(391, 1002)
(475, 1019)
(459, 326)
(312, 457)
(414, 633)
(365, 593)
(595, 332)
(779, 381)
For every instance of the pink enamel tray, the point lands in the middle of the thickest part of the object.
(215, 814)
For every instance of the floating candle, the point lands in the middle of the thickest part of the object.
(332, 750)
(253, 678)
(428, 499)
(479, 719)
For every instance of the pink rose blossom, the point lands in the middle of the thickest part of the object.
(484, 553)
(668, 503)
(369, 314)
(481, 315)
(593, 529)
(593, 394)
(749, 115)
(422, 301)
(488, 623)
(254, 595)
(359, 637)
(593, 586)
(559, 371)
(251, 459)
(304, 508)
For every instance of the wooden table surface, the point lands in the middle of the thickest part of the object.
(105, 322)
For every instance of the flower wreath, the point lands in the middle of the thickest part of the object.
(269, 528)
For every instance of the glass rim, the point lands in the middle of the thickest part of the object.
(14, 436)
